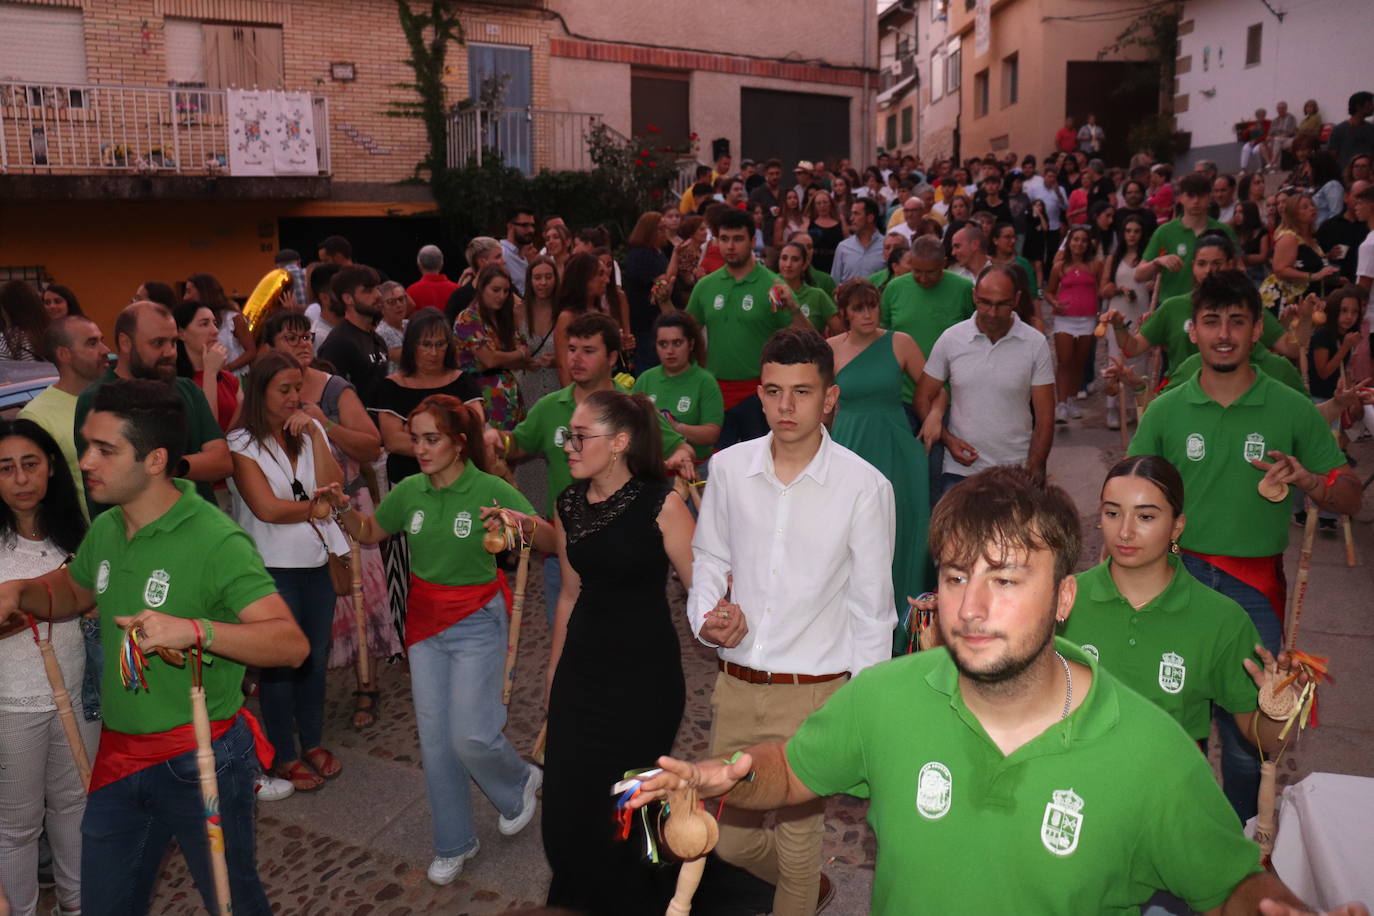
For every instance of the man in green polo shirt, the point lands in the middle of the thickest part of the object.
(1021, 750)
(733, 305)
(1168, 325)
(1171, 245)
(593, 355)
(145, 338)
(143, 564)
(1225, 430)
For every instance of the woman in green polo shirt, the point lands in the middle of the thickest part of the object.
(1170, 638)
(456, 620)
(685, 393)
(814, 302)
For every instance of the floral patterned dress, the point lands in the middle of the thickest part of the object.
(500, 390)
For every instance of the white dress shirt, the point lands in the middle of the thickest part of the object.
(811, 561)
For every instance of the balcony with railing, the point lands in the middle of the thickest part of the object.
(54, 129)
(528, 139)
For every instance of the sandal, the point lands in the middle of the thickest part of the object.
(301, 777)
(325, 763)
(363, 716)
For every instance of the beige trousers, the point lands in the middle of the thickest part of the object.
(789, 854)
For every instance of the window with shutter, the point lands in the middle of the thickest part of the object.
(1253, 38)
(243, 57)
(42, 44)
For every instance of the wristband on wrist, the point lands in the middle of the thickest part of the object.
(209, 633)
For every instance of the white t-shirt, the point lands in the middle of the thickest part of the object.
(990, 390)
(1364, 267)
(292, 546)
(23, 680)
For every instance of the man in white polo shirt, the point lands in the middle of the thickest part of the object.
(1001, 383)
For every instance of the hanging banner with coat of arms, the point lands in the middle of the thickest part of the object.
(982, 27)
(271, 133)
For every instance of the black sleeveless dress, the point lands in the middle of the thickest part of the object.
(616, 702)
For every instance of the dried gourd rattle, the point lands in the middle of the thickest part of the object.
(689, 832)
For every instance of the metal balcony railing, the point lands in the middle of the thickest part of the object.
(52, 129)
(529, 139)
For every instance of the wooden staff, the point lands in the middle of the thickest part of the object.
(689, 833)
(355, 563)
(1123, 393)
(209, 795)
(1350, 558)
(537, 752)
(517, 611)
(1299, 597)
(63, 702)
(1264, 819)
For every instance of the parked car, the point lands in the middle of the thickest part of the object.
(20, 382)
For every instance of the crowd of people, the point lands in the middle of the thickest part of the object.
(860, 375)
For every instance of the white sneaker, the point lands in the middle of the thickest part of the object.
(1113, 418)
(1061, 413)
(1075, 412)
(270, 788)
(1082, 394)
(510, 826)
(445, 869)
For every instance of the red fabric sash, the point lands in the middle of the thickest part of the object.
(734, 392)
(431, 609)
(122, 755)
(1262, 573)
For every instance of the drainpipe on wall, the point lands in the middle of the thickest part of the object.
(867, 128)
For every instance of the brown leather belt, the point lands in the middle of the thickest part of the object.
(750, 676)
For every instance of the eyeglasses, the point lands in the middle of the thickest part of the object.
(564, 438)
(392, 300)
(439, 344)
(291, 337)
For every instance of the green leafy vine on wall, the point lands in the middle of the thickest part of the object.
(428, 35)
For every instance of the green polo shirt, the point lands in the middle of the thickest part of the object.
(164, 567)
(816, 305)
(1212, 446)
(1261, 360)
(1168, 326)
(1092, 816)
(201, 427)
(1182, 651)
(1175, 238)
(925, 314)
(543, 429)
(443, 526)
(738, 320)
(692, 397)
(821, 280)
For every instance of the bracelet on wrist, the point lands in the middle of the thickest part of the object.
(209, 633)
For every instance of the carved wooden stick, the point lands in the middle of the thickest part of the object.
(517, 610)
(64, 711)
(209, 794)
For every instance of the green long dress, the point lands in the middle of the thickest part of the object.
(871, 423)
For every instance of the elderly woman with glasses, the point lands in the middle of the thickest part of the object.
(354, 442)
(396, 307)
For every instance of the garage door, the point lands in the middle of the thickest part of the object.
(792, 126)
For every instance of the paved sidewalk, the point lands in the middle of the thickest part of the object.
(361, 844)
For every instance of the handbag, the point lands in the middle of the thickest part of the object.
(340, 567)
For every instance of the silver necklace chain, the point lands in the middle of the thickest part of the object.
(1068, 686)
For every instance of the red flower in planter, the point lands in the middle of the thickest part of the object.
(652, 164)
(639, 162)
(652, 129)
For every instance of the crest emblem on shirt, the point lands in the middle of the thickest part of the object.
(417, 521)
(934, 791)
(1182, 249)
(155, 589)
(719, 302)
(102, 577)
(1254, 447)
(1090, 649)
(806, 310)
(1196, 447)
(1188, 326)
(684, 404)
(462, 524)
(1063, 822)
(560, 436)
(1172, 672)
(747, 303)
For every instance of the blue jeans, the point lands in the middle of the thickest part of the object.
(293, 698)
(948, 482)
(743, 422)
(128, 824)
(1239, 761)
(455, 677)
